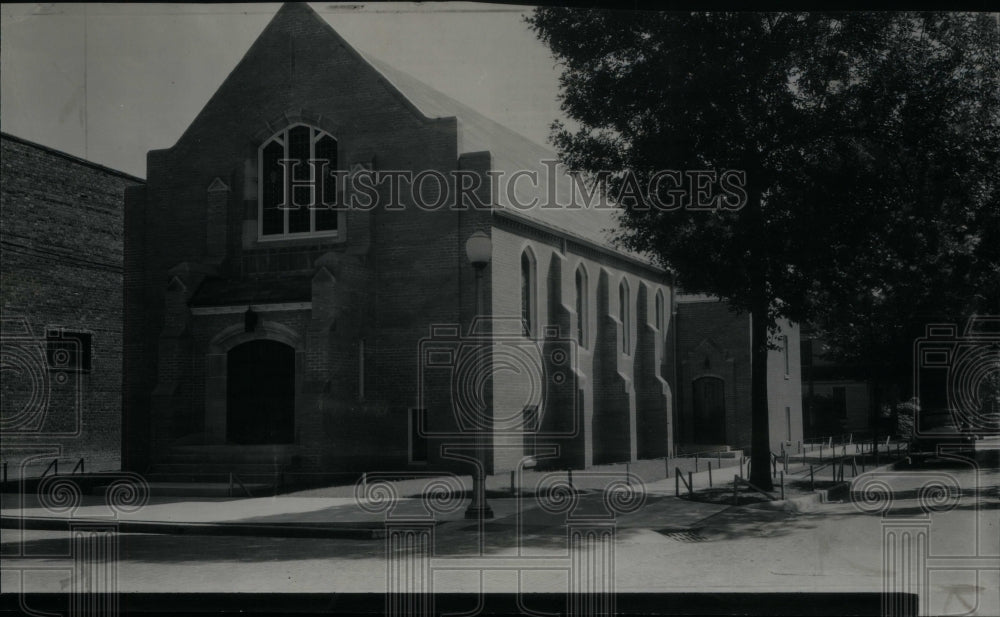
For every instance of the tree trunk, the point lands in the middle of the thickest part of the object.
(760, 303)
(760, 446)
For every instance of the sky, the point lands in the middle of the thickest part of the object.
(109, 82)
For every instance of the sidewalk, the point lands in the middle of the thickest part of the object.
(335, 512)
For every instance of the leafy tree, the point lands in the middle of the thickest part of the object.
(869, 143)
(927, 171)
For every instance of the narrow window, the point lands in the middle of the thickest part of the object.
(624, 315)
(784, 347)
(581, 307)
(840, 401)
(527, 294)
(68, 351)
(788, 423)
(659, 310)
(530, 430)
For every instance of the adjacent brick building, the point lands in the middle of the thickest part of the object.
(61, 293)
(836, 397)
(713, 367)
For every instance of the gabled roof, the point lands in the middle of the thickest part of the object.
(510, 152)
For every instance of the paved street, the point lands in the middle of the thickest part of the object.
(669, 544)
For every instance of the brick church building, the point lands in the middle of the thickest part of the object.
(328, 340)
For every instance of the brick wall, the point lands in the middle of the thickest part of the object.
(784, 387)
(61, 227)
(714, 342)
(600, 419)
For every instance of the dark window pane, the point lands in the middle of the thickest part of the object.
(298, 150)
(68, 351)
(326, 187)
(272, 190)
(298, 219)
(580, 313)
(300, 176)
(326, 219)
(623, 315)
(326, 152)
(526, 294)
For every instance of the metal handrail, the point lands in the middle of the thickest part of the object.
(703, 453)
(678, 478)
(738, 480)
(233, 477)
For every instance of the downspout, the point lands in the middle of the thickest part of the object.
(673, 352)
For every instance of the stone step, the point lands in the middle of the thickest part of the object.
(201, 489)
(210, 478)
(216, 467)
(230, 454)
(702, 449)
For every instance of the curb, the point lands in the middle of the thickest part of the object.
(834, 494)
(358, 531)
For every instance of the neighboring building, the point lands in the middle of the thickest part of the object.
(836, 397)
(61, 293)
(713, 367)
(320, 341)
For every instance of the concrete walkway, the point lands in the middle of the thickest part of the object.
(336, 512)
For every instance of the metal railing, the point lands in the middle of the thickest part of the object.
(234, 478)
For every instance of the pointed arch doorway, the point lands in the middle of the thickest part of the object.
(260, 393)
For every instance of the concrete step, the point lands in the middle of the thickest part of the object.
(210, 478)
(231, 453)
(217, 468)
(201, 489)
(197, 459)
(702, 449)
(724, 455)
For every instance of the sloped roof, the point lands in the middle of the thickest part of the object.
(510, 152)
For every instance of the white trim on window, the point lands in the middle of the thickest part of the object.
(529, 293)
(625, 315)
(582, 287)
(282, 138)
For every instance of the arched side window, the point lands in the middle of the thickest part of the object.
(297, 186)
(528, 294)
(582, 314)
(659, 310)
(625, 315)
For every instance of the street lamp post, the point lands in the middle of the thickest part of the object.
(479, 249)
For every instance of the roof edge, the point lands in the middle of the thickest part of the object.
(572, 237)
(71, 157)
